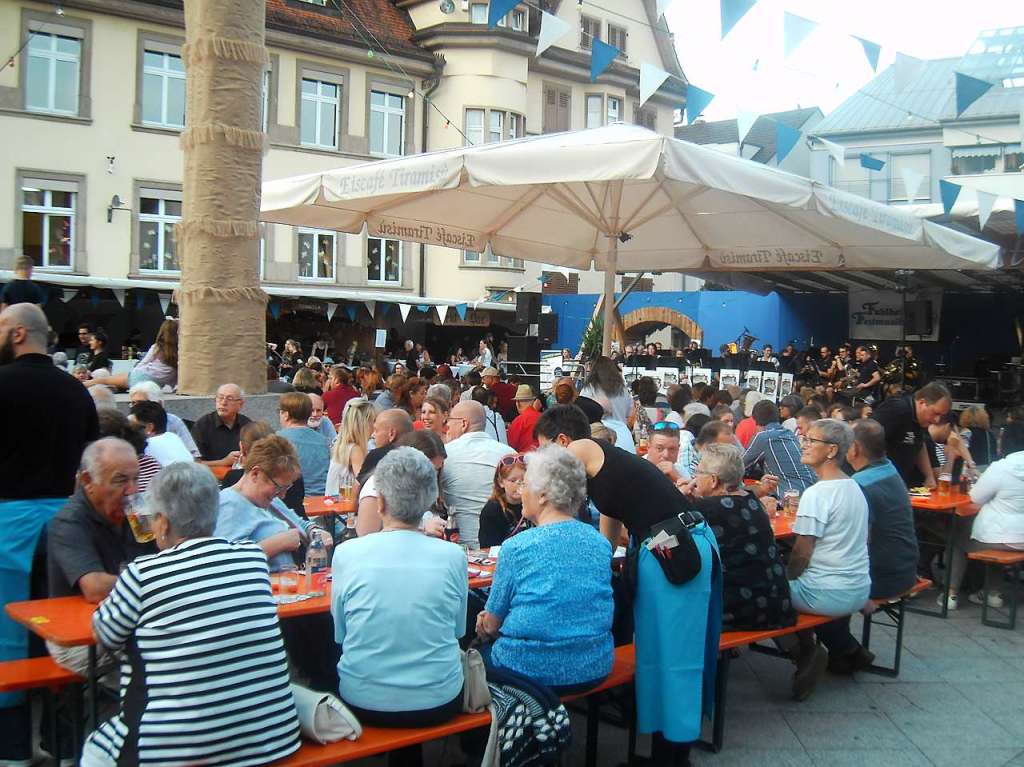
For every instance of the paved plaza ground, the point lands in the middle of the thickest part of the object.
(958, 702)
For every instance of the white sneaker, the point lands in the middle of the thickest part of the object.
(952, 603)
(994, 600)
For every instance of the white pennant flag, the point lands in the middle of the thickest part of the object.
(744, 122)
(404, 309)
(906, 69)
(67, 295)
(442, 313)
(165, 301)
(986, 202)
(552, 29)
(651, 79)
(371, 307)
(663, 5)
(331, 309)
(119, 295)
(838, 151)
(912, 180)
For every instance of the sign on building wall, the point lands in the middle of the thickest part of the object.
(876, 315)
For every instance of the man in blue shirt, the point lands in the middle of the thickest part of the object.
(312, 447)
(777, 450)
(892, 542)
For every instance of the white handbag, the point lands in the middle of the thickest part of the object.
(323, 718)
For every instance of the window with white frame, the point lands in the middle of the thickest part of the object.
(478, 13)
(919, 163)
(852, 177)
(471, 257)
(322, 3)
(613, 110)
(518, 17)
(387, 124)
(52, 73)
(516, 123)
(48, 223)
(489, 126)
(321, 108)
(265, 117)
(590, 30)
(475, 126)
(617, 38)
(263, 251)
(488, 259)
(383, 261)
(159, 212)
(595, 111)
(496, 134)
(163, 90)
(317, 254)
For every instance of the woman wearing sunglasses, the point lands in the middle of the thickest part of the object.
(502, 515)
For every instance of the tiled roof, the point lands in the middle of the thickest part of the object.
(388, 24)
(879, 106)
(761, 135)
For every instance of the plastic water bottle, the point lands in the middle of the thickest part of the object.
(316, 565)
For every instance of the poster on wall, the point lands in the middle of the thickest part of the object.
(730, 377)
(876, 315)
(754, 380)
(786, 385)
(770, 385)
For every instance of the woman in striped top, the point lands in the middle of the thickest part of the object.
(204, 677)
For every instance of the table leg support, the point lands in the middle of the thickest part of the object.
(93, 690)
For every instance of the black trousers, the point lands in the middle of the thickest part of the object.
(411, 756)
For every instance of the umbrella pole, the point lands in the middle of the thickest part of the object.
(609, 295)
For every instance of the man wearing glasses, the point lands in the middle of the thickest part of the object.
(216, 434)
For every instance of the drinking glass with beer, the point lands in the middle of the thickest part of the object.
(140, 517)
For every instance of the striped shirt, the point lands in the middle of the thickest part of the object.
(778, 449)
(204, 678)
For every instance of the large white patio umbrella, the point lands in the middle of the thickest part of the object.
(620, 198)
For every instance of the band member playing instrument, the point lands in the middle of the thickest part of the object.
(841, 365)
(768, 355)
(868, 374)
(823, 365)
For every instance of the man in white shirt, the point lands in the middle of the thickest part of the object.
(150, 391)
(468, 474)
(165, 448)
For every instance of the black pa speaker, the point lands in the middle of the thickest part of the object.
(918, 318)
(548, 330)
(527, 308)
(523, 349)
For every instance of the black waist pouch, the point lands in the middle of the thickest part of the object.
(681, 563)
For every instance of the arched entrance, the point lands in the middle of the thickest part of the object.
(637, 324)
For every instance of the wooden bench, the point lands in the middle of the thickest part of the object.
(40, 673)
(1008, 562)
(895, 610)
(379, 740)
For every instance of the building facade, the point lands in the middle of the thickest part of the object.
(92, 106)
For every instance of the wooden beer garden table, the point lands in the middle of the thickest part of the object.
(957, 506)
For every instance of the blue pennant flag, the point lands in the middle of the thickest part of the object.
(949, 192)
(785, 139)
(351, 311)
(275, 309)
(968, 90)
(871, 50)
(697, 100)
(733, 11)
(422, 308)
(871, 163)
(499, 9)
(1018, 215)
(461, 310)
(601, 57)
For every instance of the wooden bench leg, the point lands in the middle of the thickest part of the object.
(896, 613)
(1011, 597)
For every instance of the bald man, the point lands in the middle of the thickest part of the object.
(48, 418)
(468, 474)
(388, 426)
(217, 433)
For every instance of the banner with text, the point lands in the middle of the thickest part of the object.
(876, 315)
(770, 259)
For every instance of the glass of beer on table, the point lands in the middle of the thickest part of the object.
(945, 484)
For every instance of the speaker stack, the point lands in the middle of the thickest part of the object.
(524, 351)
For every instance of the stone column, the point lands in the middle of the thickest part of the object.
(222, 335)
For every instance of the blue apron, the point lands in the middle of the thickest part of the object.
(23, 522)
(677, 632)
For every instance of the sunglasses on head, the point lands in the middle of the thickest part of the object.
(665, 426)
(512, 460)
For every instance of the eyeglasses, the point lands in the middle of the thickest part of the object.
(512, 460)
(665, 426)
(281, 489)
(804, 439)
(224, 398)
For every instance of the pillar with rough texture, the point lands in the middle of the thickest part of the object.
(222, 333)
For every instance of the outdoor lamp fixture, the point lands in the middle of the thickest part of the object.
(625, 237)
(115, 204)
(447, 6)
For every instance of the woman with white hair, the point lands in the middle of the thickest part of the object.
(828, 567)
(151, 392)
(550, 608)
(399, 606)
(181, 681)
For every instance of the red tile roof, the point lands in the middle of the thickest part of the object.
(388, 24)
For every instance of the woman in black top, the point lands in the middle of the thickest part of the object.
(677, 627)
(502, 515)
(755, 589)
(98, 357)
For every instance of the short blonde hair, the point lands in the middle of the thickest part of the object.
(975, 416)
(272, 454)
